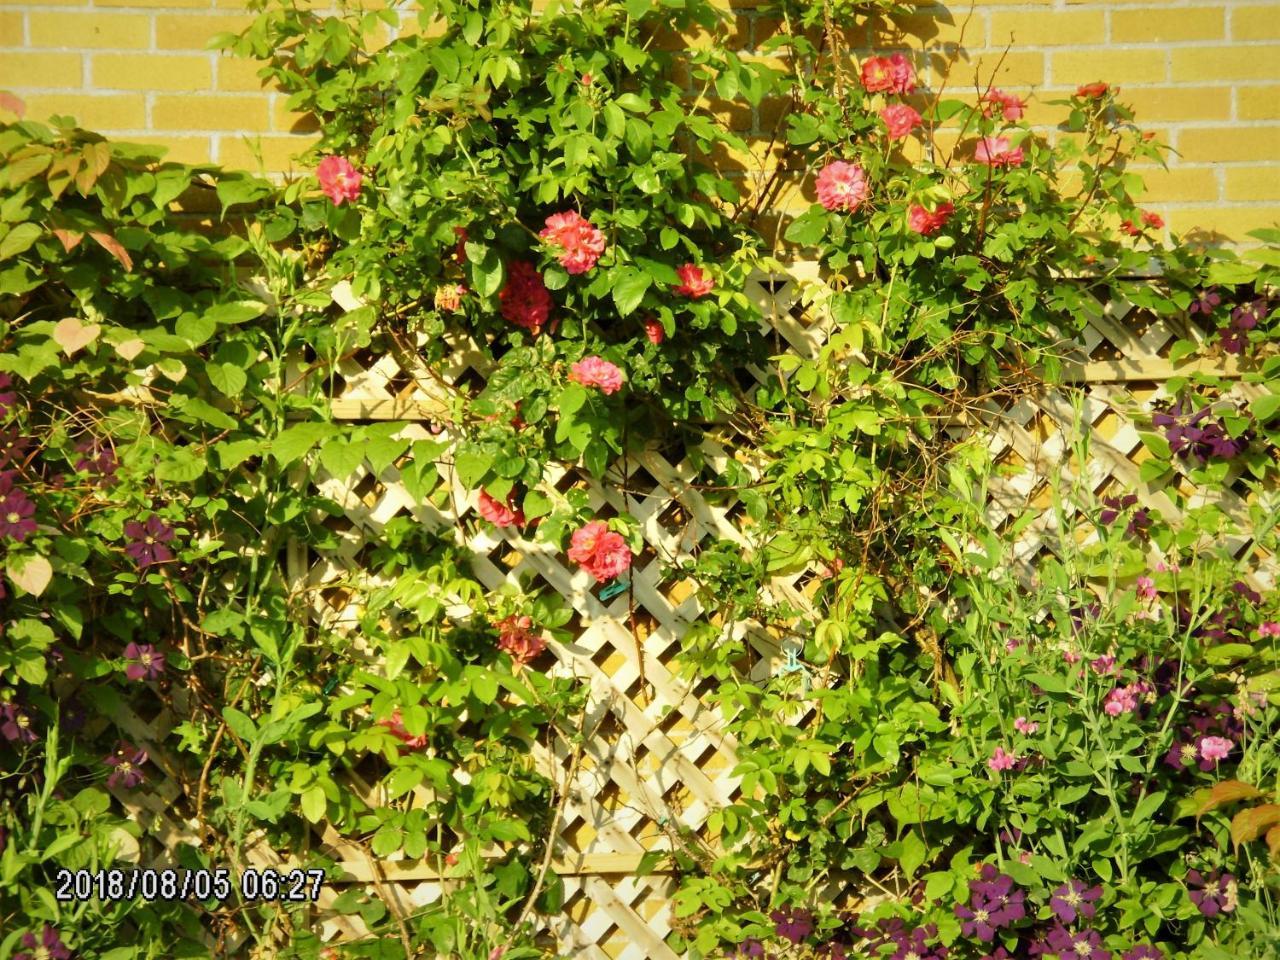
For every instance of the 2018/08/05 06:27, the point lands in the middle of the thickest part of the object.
(151, 884)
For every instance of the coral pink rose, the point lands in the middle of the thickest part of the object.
(1153, 220)
(597, 372)
(13, 104)
(842, 186)
(1011, 107)
(517, 637)
(888, 74)
(923, 222)
(395, 725)
(654, 331)
(500, 514)
(600, 551)
(577, 242)
(339, 180)
(694, 281)
(900, 119)
(997, 152)
(1092, 91)
(525, 299)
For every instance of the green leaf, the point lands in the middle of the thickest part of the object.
(227, 378)
(913, 854)
(1157, 444)
(182, 465)
(1265, 408)
(471, 465)
(572, 397)
(313, 804)
(294, 442)
(195, 328)
(629, 287)
(19, 239)
(235, 312)
(808, 228)
(240, 723)
(204, 412)
(341, 457)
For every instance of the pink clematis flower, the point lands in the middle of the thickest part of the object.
(842, 186)
(577, 242)
(694, 281)
(339, 180)
(597, 372)
(900, 119)
(997, 152)
(602, 552)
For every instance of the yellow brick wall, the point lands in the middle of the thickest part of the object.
(1204, 74)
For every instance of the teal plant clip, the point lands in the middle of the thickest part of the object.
(792, 664)
(615, 588)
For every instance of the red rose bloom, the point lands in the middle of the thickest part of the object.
(525, 300)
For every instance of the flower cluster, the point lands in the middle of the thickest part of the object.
(602, 552)
(891, 74)
(517, 636)
(1191, 433)
(1207, 738)
(597, 372)
(16, 510)
(576, 241)
(993, 905)
(339, 180)
(525, 300)
(842, 186)
(1139, 520)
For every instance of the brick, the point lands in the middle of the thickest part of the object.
(1017, 69)
(120, 31)
(925, 29)
(1228, 144)
(277, 153)
(25, 69)
(1178, 185)
(237, 75)
(181, 149)
(735, 113)
(1074, 67)
(45, 3)
(121, 71)
(1253, 183)
(185, 112)
(10, 28)
(153, 4)
(1048, 28)
(1178, 103)
(126, 111)
(284, 120)
(1226, 63)
(1258, 103)
(192, 32)
(1217, 224)
(1168, 24)
(1255, 23)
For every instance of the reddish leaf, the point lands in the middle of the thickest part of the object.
(70, 238)
(1273, 842)
(1249, 824)
(113, 247)
(1228, 791)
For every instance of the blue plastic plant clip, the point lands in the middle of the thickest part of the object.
(615, 588)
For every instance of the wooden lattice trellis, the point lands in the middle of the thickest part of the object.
(660, 759)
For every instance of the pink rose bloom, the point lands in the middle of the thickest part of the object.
(339, 179)
(525, 299)
(1214, 749)
(996, 152)
(395, 726)
(1023, 725)
(1121, 700)
(449, 297)
(1011, 107)
(602, 552)
(576, 241)
(888, 74)
(924, 223)
(517, 637)
(1268, 629)
(500, 514)
(597, 372)
(1092, 91)
(653, 329)
(900, 119)
(1000, 760)
(18, 108)
(1153, 220)
(694, 281)
(842, 186)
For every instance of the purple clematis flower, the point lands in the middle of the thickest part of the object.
(1139, 522)
(127, 761)
(1214, 894)
(97, 461)
(1074, 898)
(750, 948)
(144, 663)
(1077, 945)
(48, 947)
(7, 397)
(793, 925)
(916, 946)
(1143, 951)
(16, 510)
(15, 724)
(149, 541)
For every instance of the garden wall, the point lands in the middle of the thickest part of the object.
(1204, 74)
